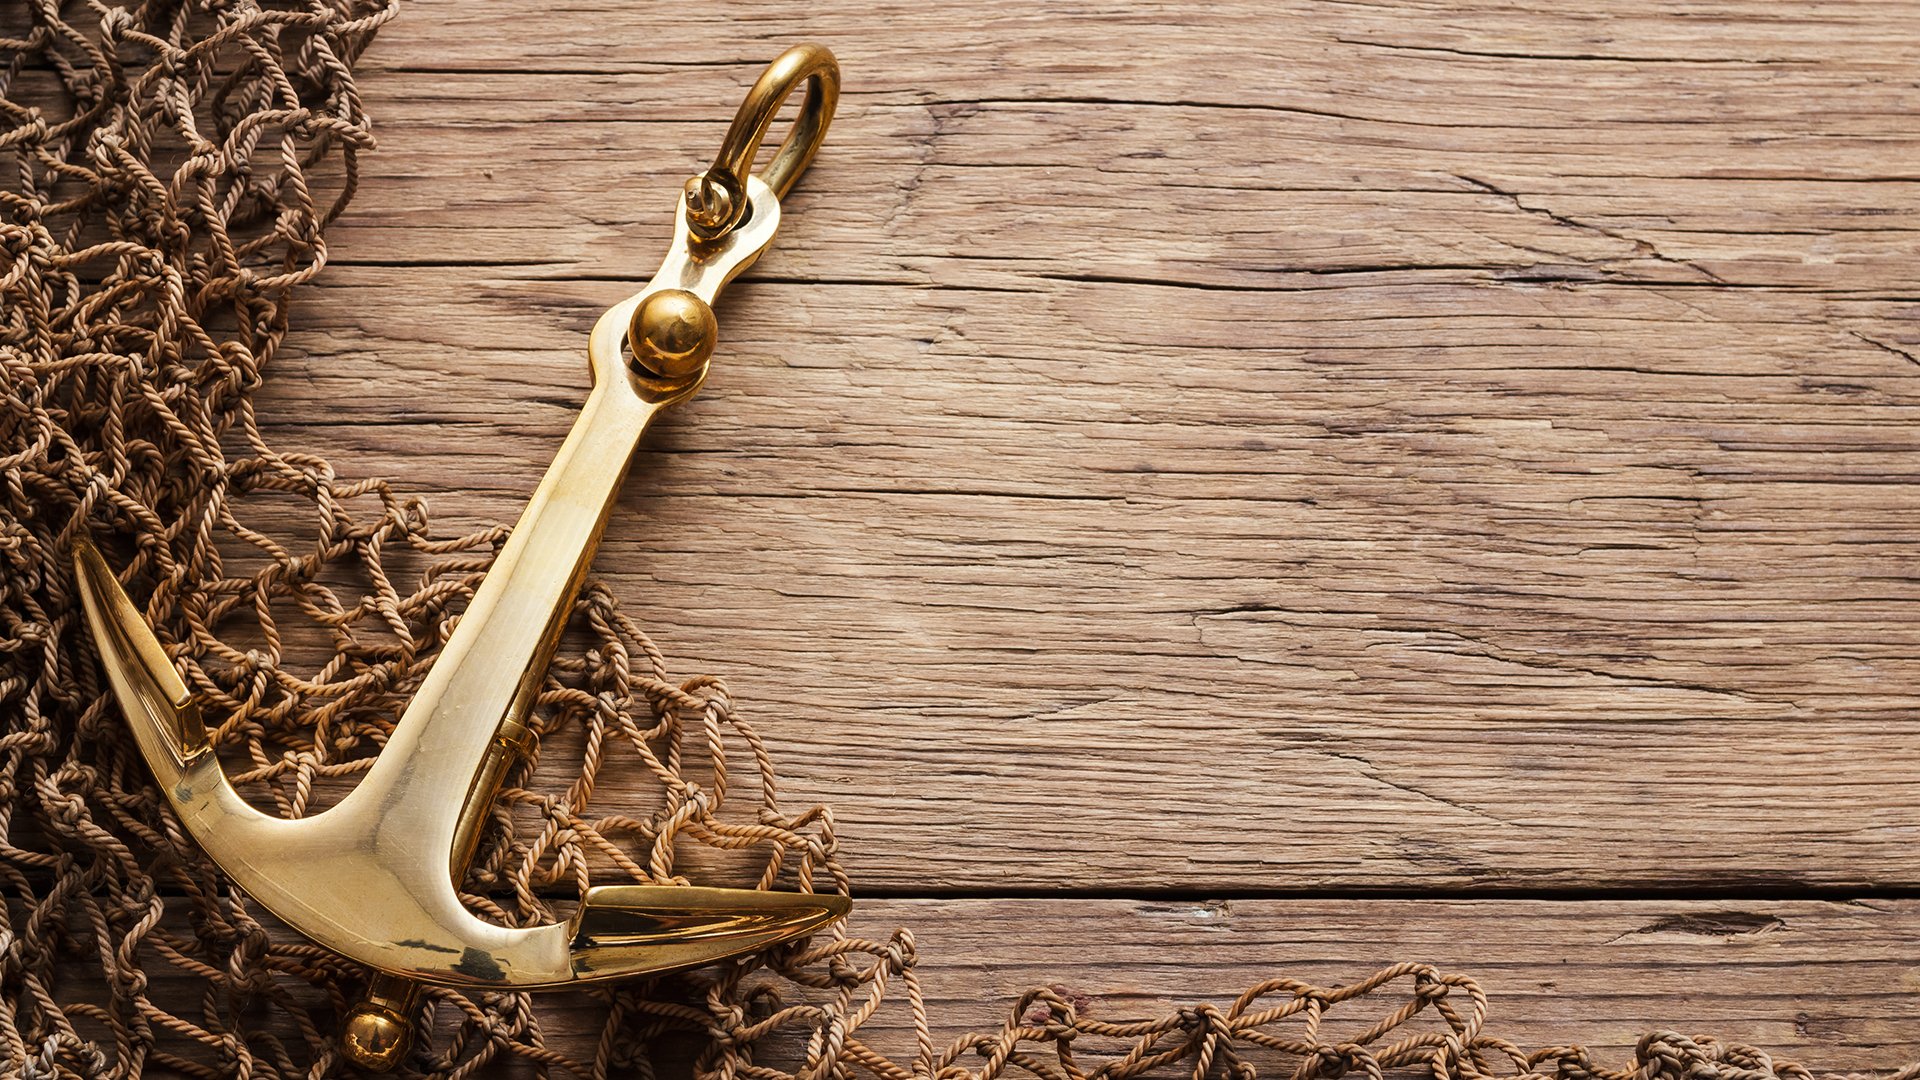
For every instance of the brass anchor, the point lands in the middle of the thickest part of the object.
(372, 878)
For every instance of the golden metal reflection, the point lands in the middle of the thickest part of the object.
(718, 196)
(373, 877)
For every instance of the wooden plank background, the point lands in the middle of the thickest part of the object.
(1202, 452)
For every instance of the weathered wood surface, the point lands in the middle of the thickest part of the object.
(1237, 450)
(1832, 982)
(1244, 449)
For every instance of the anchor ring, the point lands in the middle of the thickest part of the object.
(717, 199)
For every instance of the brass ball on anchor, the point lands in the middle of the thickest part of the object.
(672, 333)
(375, 1038)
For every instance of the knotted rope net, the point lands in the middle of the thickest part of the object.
(170, 170)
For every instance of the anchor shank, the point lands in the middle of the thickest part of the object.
(482, 685)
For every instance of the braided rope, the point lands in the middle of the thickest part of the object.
(170, 187)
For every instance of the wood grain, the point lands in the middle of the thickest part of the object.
(1246, 450)
(1831, 982)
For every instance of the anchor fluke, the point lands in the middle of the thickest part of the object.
(667, 927)
(165, 720)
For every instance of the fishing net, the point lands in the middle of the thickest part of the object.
(170, 170)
